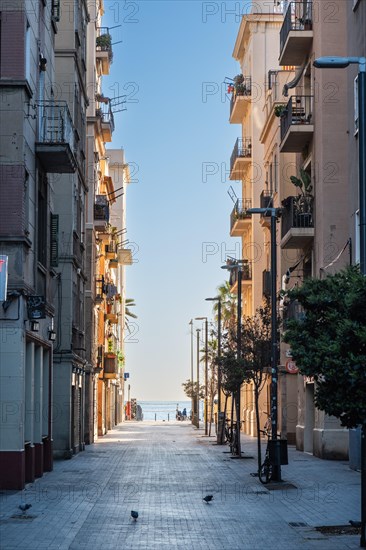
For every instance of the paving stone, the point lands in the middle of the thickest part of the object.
(163, 471)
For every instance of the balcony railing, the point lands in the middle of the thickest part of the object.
(296, 34)
(107, 121)
(104, 42)
(238, 214)
(242, 149)
(246, 270)
(100, 289)
(241, 90)
(297, 118)
(297, 223)
(266, 201)
(101, 210)
(56, 142)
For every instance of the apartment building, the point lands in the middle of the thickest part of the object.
(107, 176)
(69, 195)
(256, 50)
(37, 148)
(356, 21)
(314, 126)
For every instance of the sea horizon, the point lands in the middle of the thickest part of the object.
(165, 410)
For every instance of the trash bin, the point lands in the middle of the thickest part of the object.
(282, 443)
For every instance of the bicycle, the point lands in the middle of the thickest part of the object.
(228, 431)
(266, 468)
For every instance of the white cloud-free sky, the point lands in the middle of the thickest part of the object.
(172, 62)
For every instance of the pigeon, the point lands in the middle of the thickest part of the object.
(24, 507)
(208, 498)
(355, 523)
(134, 515)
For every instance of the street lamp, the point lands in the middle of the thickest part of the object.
(206, 370)
(341, 63)
(237, 264)
(192, 407)
(274, 212)
(220, 422)
(198, 330)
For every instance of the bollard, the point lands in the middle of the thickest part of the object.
(168, 417)
(155, 417)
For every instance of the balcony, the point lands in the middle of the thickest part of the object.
(240, 100)
(101, 213)
(297, 224)
(110, 366)
(293, 310)
(124, 256)
(266, 201)
(55, 146)
(246, 277)
(297, 126)
(266, 283)
(104, 53)
(111, 252)
(106, 119)
(239, 219)
(296, 34)
(100, 289)
(240, 158)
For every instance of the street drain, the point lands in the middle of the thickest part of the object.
(338, 530)
(297, 524)
(280, 486)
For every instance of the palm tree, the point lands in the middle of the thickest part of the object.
(129, 302)
(228, 305)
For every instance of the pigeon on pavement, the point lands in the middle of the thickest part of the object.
(24, 507)
(208, 498)
(134, 515)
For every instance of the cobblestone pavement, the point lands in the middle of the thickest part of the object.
(163, 470)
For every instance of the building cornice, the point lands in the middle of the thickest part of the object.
(245, 28)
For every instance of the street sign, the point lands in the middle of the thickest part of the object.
(126, 375)
(291, 367)
(288, 353)
(3, 277)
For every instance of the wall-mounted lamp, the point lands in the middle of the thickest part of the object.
(34, 326)
(51, 334)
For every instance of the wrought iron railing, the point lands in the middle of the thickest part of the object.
(296, 214)
(101, 208)
(242, 149)
(241, 90)
(298, 17)
(246, 273)
(266, 201)
(55, 123)
(299, 110)
(239, 211)
(104, 41)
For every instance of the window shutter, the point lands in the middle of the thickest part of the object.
(54, 240)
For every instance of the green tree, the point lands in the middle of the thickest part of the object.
(329, 343)
(190, 389)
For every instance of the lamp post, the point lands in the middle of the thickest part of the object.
(274, 212)
(220, 423)
(342, 63)
(238, 265)
(192, 399)
(206, 370)
(198, 379)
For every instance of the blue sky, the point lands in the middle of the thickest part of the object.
(176, 55)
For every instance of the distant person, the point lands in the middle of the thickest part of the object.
(184, 414)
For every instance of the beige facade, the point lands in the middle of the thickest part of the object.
(314, 127)
(255, 164)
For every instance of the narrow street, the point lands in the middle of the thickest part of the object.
(163, 471)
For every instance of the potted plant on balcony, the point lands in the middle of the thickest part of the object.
(104, 42)
(303, 202)
(279, 110)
